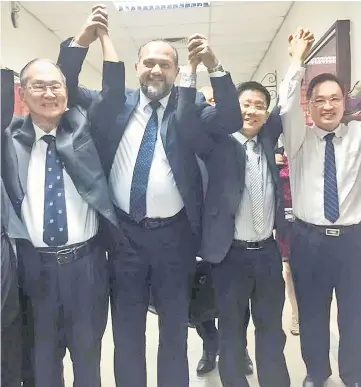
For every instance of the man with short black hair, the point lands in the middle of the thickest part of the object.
(207, 329)
(325, 170)
(237, 238)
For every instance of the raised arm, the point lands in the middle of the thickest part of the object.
(7, 98)
(73, 53)
(225, 116)
(105, 109)
(293, 122)
(273, 126)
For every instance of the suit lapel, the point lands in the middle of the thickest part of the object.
(23, 139)
(270, 156)
(123, 118)
(240, 161)
(167, 140)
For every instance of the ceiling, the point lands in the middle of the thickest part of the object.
(239, 32)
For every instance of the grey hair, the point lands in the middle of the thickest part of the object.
(24, 71)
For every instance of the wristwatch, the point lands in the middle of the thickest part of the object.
(219, 67)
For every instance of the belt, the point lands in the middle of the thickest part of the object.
(248, 245)
(333, 231)
(68, 253)
(150, 223)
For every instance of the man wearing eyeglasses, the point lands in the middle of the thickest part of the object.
(325, 161)
(238, 220)
(56, 183)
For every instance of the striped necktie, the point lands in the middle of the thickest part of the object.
(256, 186)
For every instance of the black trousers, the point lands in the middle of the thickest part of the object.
(11, 354)
(10, 317)
(321, 264)
(27, 344)
(209, 334)
(163, 260)
(70, 313)
(254, 275)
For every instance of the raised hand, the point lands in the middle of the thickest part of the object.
(96, 25)
(199, 50)
(300, 44)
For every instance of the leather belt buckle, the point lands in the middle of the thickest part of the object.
(63, 255)
(253, 246)
(334, 232)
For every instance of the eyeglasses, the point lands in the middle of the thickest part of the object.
(321, 102)
(258, 108)
(56, 88)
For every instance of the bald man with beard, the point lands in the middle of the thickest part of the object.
(207, 330)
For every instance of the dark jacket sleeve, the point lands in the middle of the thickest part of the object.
(103, 106)
(225, 117)
(7, 98)
(189, 122)
(273, 126)
(71, 60)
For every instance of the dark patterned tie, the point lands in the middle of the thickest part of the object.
(330, 196)
(138, 191)
(55, 221)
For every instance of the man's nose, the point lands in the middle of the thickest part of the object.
(156, 69)
(327, 105)
(49, 93)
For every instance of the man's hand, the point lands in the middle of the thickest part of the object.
(96, 25)
(198, 47)
(300, 44)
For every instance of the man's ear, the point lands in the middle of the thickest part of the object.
(21, 94)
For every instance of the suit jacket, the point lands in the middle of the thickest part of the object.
(225, 159)
(185, 168)
(77, 151)
(11, 225)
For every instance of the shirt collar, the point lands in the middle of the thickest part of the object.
(340, 131)
(243, 139)
(39, 133)
(144, 100)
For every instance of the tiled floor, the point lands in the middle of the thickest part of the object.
(292, 351)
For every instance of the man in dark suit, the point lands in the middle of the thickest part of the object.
(207, 329)
(238, 221)
(57, 186)
(156, 186)
(11, 230)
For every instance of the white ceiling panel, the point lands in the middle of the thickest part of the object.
(177, 30)
(239, 31)
(237, 10)
(143, 19)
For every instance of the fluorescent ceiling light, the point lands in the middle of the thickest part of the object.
(157, 5)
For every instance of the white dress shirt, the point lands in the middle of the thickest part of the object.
(163, 197)
(305, 147)
(244, 229)
(81, 218)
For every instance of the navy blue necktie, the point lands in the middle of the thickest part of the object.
(138, 191)
(55, 221)
(330, 196)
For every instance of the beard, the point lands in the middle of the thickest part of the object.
(157, 91)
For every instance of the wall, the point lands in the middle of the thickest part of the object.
(318, 17)
(33, 40)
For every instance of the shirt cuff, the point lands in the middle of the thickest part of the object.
(217, 74)
(188, 80)
(73, 44)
